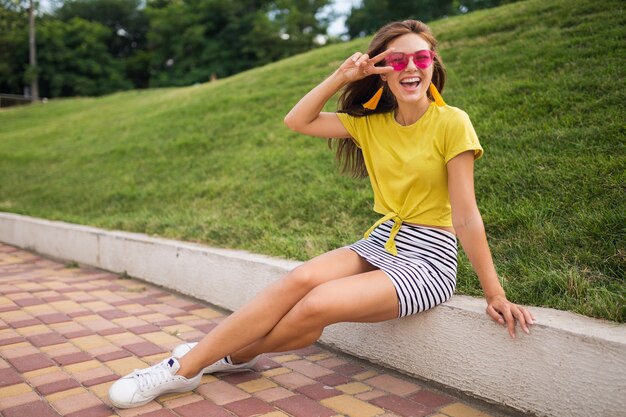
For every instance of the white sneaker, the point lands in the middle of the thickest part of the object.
(144, 385)
(220, 366)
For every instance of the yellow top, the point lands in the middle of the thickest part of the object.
(407, 164)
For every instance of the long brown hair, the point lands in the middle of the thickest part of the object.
(358, 92)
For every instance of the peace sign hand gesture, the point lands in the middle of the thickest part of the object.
(360, 65)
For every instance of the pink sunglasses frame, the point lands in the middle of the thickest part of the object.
(414, 55)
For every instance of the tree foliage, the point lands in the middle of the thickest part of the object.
(194, 40)
(373, 14)
(127, 28)
(128, 23)
(13, 49)
(93, 47)
(74, 59)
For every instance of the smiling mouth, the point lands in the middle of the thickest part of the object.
(411, 83)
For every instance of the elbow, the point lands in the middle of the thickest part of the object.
(292, 123)
(459, 226)
(289, 122)
(468, 222)
(459, 219)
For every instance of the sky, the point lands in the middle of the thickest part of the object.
(342, 8)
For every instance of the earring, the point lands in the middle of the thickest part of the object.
(435, 93)
(373, 102)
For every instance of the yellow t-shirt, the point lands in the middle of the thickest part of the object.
(407, 164)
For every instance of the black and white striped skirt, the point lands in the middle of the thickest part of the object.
(423, 272)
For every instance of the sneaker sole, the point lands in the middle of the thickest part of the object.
(124, 406)
(133, 405)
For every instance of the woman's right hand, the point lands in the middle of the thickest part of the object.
(360, 65)
(308, 117)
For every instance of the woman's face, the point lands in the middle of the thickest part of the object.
(410, 85)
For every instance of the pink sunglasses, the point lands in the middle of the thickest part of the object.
(399, 60)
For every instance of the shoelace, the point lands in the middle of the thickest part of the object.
(151, 377)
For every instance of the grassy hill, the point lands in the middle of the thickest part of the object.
(543, 82)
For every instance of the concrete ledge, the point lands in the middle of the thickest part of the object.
(569, 366)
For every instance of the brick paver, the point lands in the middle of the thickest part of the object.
(67, 333)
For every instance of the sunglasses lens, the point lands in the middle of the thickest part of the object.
(422, 59)
(397, 61)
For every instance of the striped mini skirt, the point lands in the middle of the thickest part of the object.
(423, 272)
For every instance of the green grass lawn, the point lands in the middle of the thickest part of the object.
(543, 82)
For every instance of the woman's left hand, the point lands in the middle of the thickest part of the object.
(504, 312)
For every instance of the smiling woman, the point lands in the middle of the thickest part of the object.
(419, 155)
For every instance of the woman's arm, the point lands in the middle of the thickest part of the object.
(307, 117)
(470, 229)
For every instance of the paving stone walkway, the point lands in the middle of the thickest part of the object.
(66, 333)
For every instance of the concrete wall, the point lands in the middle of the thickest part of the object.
(569, 366)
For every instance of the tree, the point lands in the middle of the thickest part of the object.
(91, 47)
(76, 61)
(299, 23)
(373, 14)
(13, 50)
(32, 54)
(127, 25)
(13, 9)
(193, 40)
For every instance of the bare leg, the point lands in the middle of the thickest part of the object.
(367, 297)
(259, 316)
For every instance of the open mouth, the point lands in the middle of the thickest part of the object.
(411, 83)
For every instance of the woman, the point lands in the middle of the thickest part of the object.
(419, 154)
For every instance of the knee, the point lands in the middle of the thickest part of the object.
(302, 278)
(312, 308)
